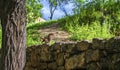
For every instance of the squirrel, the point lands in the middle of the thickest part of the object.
(48, 38)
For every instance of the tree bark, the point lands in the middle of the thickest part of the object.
(13, 21)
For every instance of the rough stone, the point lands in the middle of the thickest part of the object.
(113, 45)
(67, 47)
(77, 61)
(44, 54)
(117, 66)
(30, 68)
(98, 43)
(34, 59)
(70, 47)
(92, 55)
(83, 45)
(104, 55)
(93, 66)
(115, 58)
(52, 66)
(61, 68)
(97, 55)
(54, 56)
(106, 64)
(42, 66)
(56, 46)
(60, 59)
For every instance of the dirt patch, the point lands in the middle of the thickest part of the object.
(59, 35)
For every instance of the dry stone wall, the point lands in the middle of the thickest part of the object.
(84, 55)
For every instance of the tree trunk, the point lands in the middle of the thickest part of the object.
(13, 21)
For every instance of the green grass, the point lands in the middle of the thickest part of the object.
(33, 36)
(78, 32)
(40, 25)
(85, 31)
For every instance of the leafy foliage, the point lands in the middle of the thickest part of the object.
(94, 18)
(87, 32)
(33, 37)
(33, 10)
(100, 10)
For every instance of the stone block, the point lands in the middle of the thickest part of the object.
(61, 68)
(77, 61)
(60, 59)
(98, 43)
(52, 66)
(83, 45)
(92, 55)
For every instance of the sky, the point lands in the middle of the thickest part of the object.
(58, 13)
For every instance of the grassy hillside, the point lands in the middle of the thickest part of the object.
(33, 36)
(81, 31)
(78, 31)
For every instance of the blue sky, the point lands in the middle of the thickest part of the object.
(58, 13)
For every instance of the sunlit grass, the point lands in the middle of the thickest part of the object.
(78, 32)
(33, 37)
(87, 32)
(40, 24)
